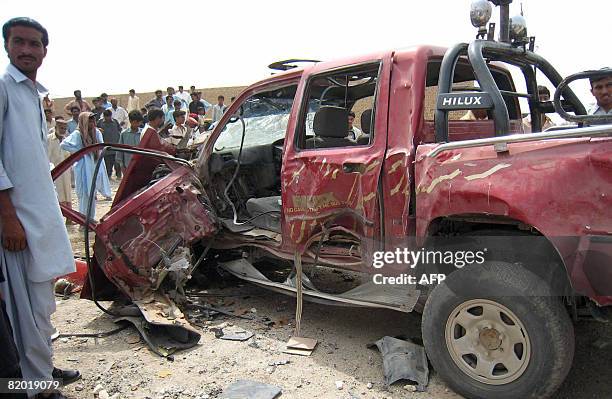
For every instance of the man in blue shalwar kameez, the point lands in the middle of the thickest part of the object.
(35, 247)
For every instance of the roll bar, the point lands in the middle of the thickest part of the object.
(480, 53)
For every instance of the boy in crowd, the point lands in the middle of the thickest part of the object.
(130, 136)
(218, 109)
(179, 134)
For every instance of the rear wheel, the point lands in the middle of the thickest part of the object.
(495, 331)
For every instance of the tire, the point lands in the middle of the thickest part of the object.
(505, 316)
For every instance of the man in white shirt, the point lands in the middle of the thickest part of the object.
(133, 102)
(119, 113)
(602, 91)
(218, 109)
(184, 96)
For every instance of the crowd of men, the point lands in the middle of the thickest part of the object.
(180, 118)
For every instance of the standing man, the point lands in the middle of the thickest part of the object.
(184, 96)
(156, 102)
(546, 122)
(57, 155)
(133, 101)
(218, 109)
(97, 110)
(79, 102)
(74, 122)
(195, 103)
(111, 130)
(49, 119)
(130, 136)
(105, 104)
(35, 247)
(119, 113)
(602, 91)
(168, 109)
(48, 103)
(149, 136)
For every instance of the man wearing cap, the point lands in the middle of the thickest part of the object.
(56, 156)
(34, 246)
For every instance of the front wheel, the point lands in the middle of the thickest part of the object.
(495, 331)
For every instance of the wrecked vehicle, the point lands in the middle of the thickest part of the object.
(280, 183)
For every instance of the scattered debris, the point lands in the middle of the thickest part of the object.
(276, 322)
(97, 389)
(238, 335)
(63, 287)
(245, 389)
(163, 339)
(411, 388)
(279, 363)
(403, 360)
(300, 346)
(164, 373)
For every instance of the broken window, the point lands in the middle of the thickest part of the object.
(339, 108)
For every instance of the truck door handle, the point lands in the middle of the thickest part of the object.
(353, 167)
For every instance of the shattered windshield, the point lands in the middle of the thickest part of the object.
(265, 117)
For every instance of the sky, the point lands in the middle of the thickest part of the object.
(113, 46)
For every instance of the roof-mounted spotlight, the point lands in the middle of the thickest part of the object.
(518, 29)
(480, 14)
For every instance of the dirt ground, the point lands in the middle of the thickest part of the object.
(123, 365)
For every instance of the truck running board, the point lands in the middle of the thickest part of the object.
(401, 298)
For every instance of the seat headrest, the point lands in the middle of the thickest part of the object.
(366, 121)
(331, 122)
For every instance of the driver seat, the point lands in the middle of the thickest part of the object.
(265, 212)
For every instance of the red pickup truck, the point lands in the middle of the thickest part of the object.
(359, 165)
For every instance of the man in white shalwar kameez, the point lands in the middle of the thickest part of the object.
(35, 247)
(56, 156)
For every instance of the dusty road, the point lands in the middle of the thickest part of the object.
(124, 366)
